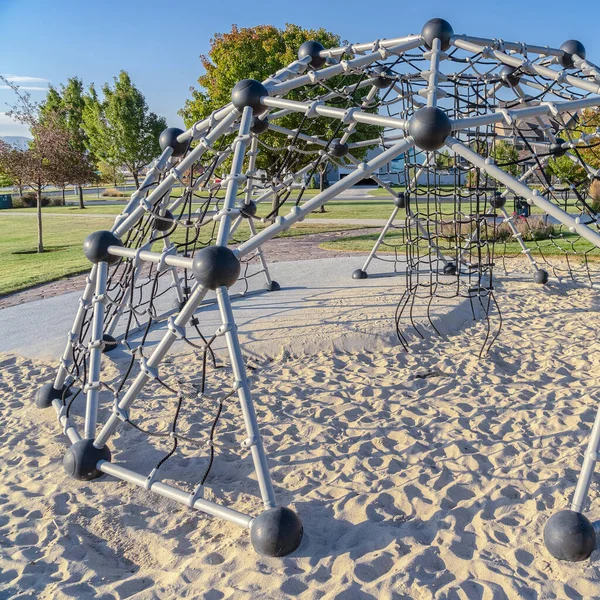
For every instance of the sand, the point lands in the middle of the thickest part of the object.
(426, 474)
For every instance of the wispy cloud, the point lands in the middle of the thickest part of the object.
(25, 82)
(10, 127)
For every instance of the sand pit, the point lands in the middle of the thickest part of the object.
(420, 475)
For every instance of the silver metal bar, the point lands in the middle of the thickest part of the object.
(254, 441)
(66, 423)
(347, 115)
(235, 176)
(84, 305)
(573, 223)
(171, 492)
(369, 46)
(380, 238)
(260, 254)
(152, 363)
(299, 212)
(175, 173)
(92, 386)
(588, 467)
(434, 73)
(172, 260)
(514, 46)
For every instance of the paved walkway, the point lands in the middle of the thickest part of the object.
(319, 308)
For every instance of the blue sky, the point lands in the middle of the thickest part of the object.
(158, 43)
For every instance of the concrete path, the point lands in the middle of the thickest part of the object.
(320, 307)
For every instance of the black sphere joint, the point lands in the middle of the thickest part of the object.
(429, 127)
(272, 287)
(569, 535)
(337, 149)
(383, 77)
(259, 125)
(46, 394)
(312, 49)
(248, 92)
(571, 48)
(82, 458)
(497, 201)
(165, 222)
(248, 210)
(450, 269)
(400, 200)
(359, 274)
(110, 343)
(557, 148)
(216, 266)
(437, 28)
(276, 532)
(541, 277)
(509, 76)
(168, 139)
(95, 247)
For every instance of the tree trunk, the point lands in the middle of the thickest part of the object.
(40, 247)
(136, 179)
(81, 204)
(64, 203)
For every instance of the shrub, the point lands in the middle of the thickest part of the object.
(29, 200)
(114, 193)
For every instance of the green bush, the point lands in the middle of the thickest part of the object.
(29, 200)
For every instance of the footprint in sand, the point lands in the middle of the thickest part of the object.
(370, 571)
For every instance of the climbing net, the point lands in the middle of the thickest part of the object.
(454, 128)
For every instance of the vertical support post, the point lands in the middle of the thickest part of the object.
(84, 304)
(96, 345)
(587, 469)
(253, 441)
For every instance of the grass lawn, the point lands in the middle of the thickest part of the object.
(21, 267)
(364, 243)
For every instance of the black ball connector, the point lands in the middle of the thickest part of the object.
(337, 149)
(248, 92)
(312, 49)
(276, 532)
(272, 287)
(569, 535)
(400, 200)
(248, 210)
(437, 28)
(110, 343)
(571, 48)
(557, 148)
(216, 266)
(383, 77)
(429, 127)
(168, 139)
(360, 274)
(449, 269)
(510, 76)
(259, 125)
(82, 458)
(541, 277)
(46, 394)
(497, 201)
(165, 222)
(95, 247)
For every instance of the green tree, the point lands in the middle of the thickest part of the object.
(5, 180)
(119, 129)
(567, 171)
(505, 156)
(257, 53)
(68, 104)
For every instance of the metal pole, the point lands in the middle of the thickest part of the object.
(260, 254)
(96, 345)
(587, 469)
(380, 238)
(253, 440)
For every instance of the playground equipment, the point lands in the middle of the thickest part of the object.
(363, 107)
